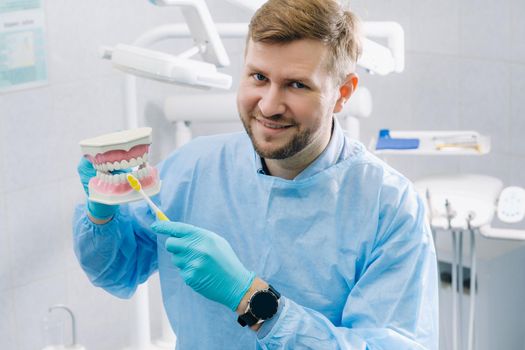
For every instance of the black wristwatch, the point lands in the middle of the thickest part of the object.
(262, 306)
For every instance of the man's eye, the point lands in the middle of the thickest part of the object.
(259, 77)
(298, 85)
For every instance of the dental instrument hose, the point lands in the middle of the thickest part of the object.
(450, 216)
(473, 272)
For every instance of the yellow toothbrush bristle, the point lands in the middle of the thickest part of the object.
(133, 182)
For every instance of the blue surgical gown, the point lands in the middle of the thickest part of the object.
(346, 243)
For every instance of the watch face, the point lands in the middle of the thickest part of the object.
(263, 305)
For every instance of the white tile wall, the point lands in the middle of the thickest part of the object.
(517, 25)
(28, 124)
(391, 101)
(5, 252)
(31, 303)
(90, 108)
(3, 185)
(517, 110)
(485, 100)
(435, 92)
(384, 10)
(7, 321)
(517, 171)
(435, 26)
(71, 192)
(485, 28)
(92, 24)
(103, 321)
(36, 238)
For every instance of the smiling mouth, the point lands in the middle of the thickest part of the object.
(271, 125)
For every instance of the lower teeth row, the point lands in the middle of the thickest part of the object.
(121, 178)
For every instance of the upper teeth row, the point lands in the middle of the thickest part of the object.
(122, 178)
(124, 164)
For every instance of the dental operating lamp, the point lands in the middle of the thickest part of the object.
(160, 66)
(202, 28)
(180, 69)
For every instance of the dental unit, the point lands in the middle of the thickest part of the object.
(464, 204)
(116, 153)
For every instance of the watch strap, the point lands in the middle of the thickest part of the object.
(276, 293)
(247, 319)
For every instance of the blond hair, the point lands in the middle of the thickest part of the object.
(283, 21)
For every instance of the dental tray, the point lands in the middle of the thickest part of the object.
(438, 143)
(114, 154)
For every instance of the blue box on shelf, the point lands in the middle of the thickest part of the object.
(385, 141)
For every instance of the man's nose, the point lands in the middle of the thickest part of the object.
(272, 102)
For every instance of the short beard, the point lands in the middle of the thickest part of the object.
(297, 144)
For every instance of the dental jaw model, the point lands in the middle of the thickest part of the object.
(111, 155)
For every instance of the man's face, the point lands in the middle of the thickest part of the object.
(286, 96)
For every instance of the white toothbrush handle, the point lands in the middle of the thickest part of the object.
(151, 204)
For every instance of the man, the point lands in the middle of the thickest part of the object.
(292, 203)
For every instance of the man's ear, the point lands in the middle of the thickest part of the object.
(346, 90)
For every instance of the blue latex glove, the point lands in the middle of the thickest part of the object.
(97, 210)
(207, 262)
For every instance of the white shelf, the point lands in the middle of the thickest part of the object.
(427, 144)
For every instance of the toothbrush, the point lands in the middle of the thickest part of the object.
(135, 184)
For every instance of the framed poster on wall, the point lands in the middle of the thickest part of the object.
(22, 45)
